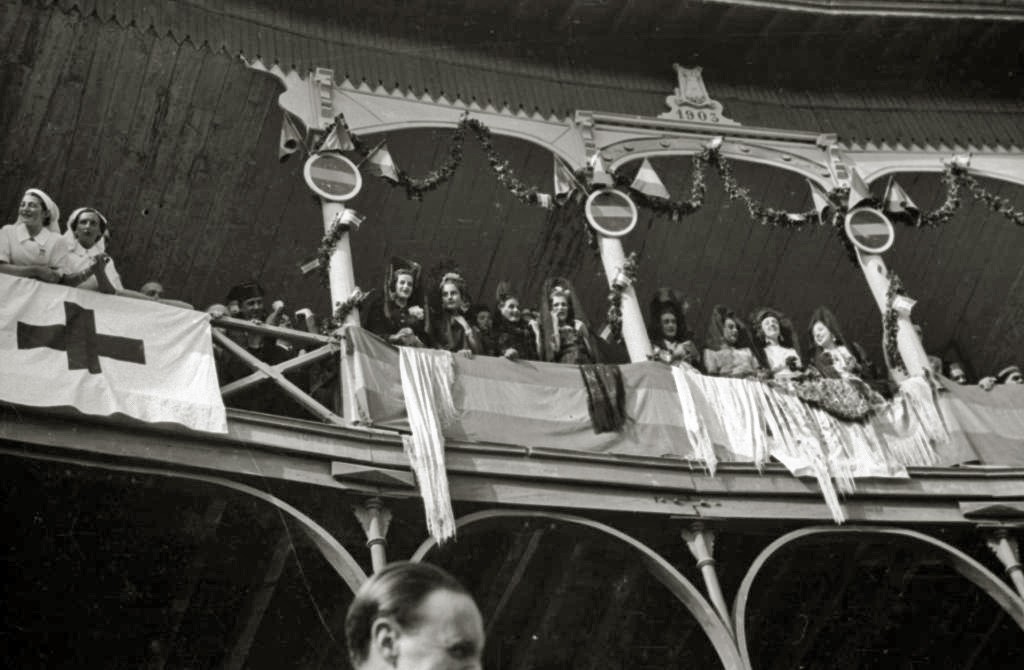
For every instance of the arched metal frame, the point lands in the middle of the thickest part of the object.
(974, 571)
(333, 552)
(620, 137)
(684, 590)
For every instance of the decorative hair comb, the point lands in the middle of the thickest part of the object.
(451, 276)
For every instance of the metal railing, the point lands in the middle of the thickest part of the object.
(325, 346)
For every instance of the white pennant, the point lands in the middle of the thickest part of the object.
(859, 191)
(648, 182)
(822, 204)
(380, 163)
(599, 176)
(564, 181)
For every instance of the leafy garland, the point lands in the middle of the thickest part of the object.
(625, 278)
(955, 177)
(675, 208)
(343, 309)
(994, 202)
(890, 325)
(506, 176)
(327, 244)
(415, 187)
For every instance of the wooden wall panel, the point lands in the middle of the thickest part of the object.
(178, 146)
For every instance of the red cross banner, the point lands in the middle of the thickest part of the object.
(107, 355)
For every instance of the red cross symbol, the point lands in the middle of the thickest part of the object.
(80, 340)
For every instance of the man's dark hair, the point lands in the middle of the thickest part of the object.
(396, 592)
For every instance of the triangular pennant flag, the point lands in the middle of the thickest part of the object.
(598, 175)
(859, 191)
(564, 180)
(897, 203)
(337, 139)
(822, 203)
(291, 138)
(648, 182)
(381, 164)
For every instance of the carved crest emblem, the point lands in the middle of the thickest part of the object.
(691, 101)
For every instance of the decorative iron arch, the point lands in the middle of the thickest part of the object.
(375, 110)
(796, 164)
(684, 590)
(1005, 167)
(333, 552)
(369, 111)
(974, 571)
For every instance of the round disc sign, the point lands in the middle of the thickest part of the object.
(332, 177)
(869, 230)
(611, 212)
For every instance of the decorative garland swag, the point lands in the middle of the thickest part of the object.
(955, 177)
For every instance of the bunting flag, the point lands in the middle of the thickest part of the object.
(897, 204)
(105, 355)
(822, 204)
(338, 139)
(859, 191)
(291, 138)
(648, 182)
(599, 176)
(565, 182)
(381, 164)
(679, 414)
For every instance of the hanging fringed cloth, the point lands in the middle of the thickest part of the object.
(921, 399)
(703, 447)
(427, 378)
(606, 397)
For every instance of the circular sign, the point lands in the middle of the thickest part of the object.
(332, 176)
(610, 212)
(869, 230)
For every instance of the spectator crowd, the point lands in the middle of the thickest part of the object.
(414, 311)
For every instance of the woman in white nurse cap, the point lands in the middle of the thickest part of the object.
(32, 246)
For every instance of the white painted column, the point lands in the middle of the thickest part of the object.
(907, 341)
(634, 332)
(341, 276)
(1005, 547)
(701, 542)
(375, 520)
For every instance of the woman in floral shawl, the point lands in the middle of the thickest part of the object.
(830, 353)
(835, 357)
(401, 316)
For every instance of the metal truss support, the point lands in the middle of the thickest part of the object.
(719, 633)
(970, 568)
(701, 542)
(336, 555)
(375, 520)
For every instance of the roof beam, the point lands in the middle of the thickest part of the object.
(980, 10)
